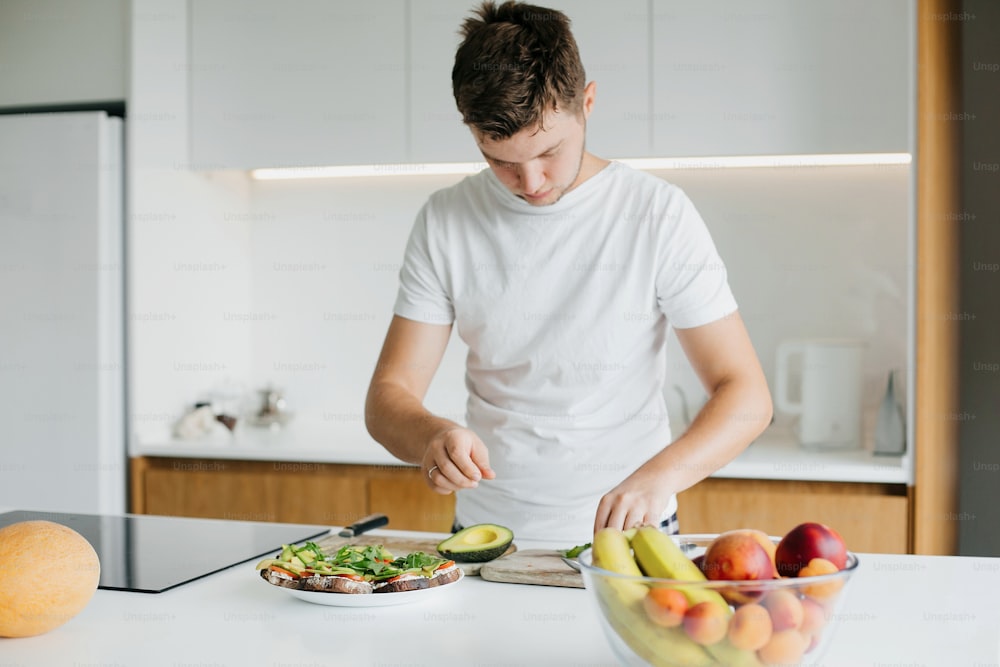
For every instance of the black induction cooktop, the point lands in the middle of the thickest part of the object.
(151, 554)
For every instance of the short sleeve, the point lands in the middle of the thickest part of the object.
(692, 285)
(422, 296)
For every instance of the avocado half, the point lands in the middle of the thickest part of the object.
(477, 544)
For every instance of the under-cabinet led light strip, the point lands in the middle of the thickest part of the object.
(721, 162)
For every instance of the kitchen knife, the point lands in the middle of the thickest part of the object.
(370, 522)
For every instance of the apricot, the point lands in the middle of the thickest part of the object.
(785, 610)
(706, 623)
(816, 567)
(785, 647)
(750, 627)
(665, 606)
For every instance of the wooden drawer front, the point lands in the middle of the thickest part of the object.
(255, 491)
(409, 503)
(288, 492)
(870, 517)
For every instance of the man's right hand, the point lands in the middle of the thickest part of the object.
(456, 459)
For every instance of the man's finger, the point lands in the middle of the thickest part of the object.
(481, 459)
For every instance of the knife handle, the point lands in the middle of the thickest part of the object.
(370, 522)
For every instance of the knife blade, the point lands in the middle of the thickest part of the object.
(370, 522)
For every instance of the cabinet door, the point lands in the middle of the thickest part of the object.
(781, 77)
(870, 517)
(300, 83)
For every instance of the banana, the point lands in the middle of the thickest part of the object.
(621, 603)
(659, 556)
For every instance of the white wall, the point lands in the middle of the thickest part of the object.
(810, 251)
(237, 284)
(188, 262)
(53, 51)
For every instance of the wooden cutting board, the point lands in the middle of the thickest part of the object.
(399, 546)
(542, 567)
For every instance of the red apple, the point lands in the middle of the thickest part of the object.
(805, 542)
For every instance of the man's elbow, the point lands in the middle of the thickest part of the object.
(763, 406)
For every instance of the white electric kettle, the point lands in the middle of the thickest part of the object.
(829, 405)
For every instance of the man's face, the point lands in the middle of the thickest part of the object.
(540, 166)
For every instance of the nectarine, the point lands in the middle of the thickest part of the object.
(805, 542)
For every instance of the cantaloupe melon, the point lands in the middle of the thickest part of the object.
(48, 574)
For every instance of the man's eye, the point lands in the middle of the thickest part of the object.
(504, 165)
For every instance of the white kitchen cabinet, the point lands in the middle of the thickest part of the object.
(58, 52)
(781, 77)
(299, 83)
(436, 128)
(614, 46)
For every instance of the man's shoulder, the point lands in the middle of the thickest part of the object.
(472, 187)
(635, 177)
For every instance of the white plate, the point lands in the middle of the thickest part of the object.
(369, 599)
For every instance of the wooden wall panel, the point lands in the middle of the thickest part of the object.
(938, 200)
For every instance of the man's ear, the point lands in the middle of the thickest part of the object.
(589, 92)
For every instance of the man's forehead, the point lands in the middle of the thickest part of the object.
(546, 132)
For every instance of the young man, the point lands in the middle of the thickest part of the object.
(562, 272)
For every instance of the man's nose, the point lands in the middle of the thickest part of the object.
(532, 177)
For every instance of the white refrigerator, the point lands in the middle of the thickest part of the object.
(62, 313)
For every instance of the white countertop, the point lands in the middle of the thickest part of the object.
(775, 455)
(899, 610)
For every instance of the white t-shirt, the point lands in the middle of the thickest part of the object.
(565, 310)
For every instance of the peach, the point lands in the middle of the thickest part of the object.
(750, 627)
(784, 648)
(817, 567)
(706, 623)
(665, 606)
(764, 540)
(814, 617)
(805, 542)
(738, 555)
(785, 610)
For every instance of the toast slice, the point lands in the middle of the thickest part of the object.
(321, 583)
(413, 582)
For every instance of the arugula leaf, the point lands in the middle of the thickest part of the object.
(576, 551)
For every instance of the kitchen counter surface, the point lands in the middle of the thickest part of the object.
(775, 455)
(899, 610)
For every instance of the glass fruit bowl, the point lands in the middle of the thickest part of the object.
(786, 621)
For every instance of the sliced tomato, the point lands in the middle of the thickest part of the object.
(447, 563)
(352, 577)
(284, 571)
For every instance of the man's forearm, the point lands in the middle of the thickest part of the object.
(397, 420)
(732, 418)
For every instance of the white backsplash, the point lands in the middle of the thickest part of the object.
(810, 252)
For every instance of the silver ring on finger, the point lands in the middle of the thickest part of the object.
(431, 471)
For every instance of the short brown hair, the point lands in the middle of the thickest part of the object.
(516, 62)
